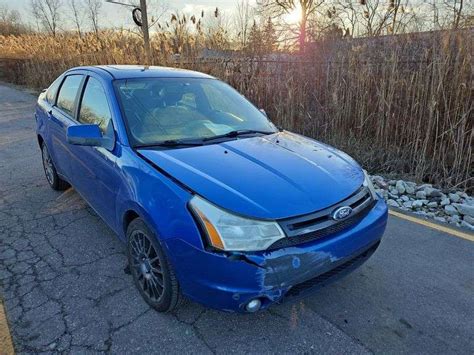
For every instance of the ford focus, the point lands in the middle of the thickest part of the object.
(213, 202)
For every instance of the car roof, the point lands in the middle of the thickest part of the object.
(140, 71)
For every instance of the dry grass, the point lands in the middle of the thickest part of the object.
(393, 115)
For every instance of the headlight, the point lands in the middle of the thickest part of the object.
(227, 231)
(368, 183)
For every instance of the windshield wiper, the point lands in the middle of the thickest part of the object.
(170, 143)
(193, 143)
(237, 133)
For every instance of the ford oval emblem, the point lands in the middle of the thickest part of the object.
(341, 213)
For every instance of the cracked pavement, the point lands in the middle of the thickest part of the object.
(64, 287)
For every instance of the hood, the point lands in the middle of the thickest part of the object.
(269, 177)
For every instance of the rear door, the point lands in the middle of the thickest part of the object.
(44, 108)
(60, 117)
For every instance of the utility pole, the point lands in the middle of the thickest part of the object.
(143, 23)
(146, 33)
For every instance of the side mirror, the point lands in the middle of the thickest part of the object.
(263, 111)
(90, 135)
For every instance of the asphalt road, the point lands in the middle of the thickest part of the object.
(64, 287)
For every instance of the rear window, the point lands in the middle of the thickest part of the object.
(52, 90)
(68, 92)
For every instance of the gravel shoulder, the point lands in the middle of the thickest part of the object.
(443, 206)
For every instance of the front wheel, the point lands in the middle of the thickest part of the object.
(52, 176)
(150, 268)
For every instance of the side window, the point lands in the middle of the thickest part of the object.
(68, 92)
(52, 90)
(94, 108)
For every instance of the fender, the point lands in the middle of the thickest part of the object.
(154, 197)
(132, 206)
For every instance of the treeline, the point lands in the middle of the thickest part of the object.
(285, 25)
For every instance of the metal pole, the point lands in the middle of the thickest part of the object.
(146, 34)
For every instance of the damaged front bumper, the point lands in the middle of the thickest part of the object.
(229, 281)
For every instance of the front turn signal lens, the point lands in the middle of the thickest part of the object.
(211, 231)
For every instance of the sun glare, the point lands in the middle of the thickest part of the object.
(294, 16)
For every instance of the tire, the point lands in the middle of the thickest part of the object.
(50, 171)
(150, 269)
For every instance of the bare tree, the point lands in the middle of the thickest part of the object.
(381, 17)
(93, 9)
(376, 16)
(10, 22)
(280, 7)
(406, 19)
(243, 21)
(348, 15)
(77, 14)
(7, 15)
(47, 13)
(456, 7)
(446, 14)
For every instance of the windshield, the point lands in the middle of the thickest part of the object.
(179, 109)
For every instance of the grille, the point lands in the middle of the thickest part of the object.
(320, 224)
(331, 275)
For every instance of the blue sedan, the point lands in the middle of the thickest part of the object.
(214, 203)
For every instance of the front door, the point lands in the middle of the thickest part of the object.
(93, 170)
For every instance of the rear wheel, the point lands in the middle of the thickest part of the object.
(150, 268)
(54, 180)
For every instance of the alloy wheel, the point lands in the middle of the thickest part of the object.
(146, 265)
(47, 165)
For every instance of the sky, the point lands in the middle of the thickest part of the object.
(116, 15)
